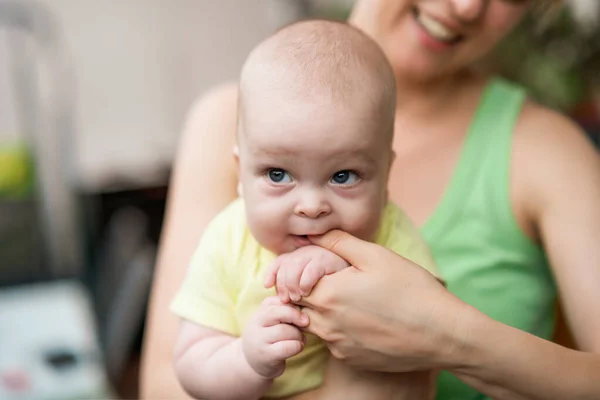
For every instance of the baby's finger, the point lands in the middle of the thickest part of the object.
(281, 332)
(282, 289)
(291, 279)
(311, 275)
(285, 349)
(285, 314)
(271, 301)
(271, 275)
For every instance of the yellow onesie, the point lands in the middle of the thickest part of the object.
(224, 285)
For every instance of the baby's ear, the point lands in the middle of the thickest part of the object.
(236, 157)
(391, 162)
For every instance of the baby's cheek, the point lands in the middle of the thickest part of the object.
(267, 225)
(365, 223)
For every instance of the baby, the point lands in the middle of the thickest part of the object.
(315, 129)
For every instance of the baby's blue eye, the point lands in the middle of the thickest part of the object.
(344, 178)
(278, 175)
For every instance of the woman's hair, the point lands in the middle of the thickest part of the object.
(546, 11)
(544, 6)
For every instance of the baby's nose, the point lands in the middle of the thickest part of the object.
(313, 205)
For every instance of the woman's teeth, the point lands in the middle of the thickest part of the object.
(436, 29)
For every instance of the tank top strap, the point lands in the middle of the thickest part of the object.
(482, 253)
(487, 143)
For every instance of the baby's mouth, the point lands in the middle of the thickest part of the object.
(301, 240)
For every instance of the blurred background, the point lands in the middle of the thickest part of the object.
(93, 95)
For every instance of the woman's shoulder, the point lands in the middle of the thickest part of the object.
(547, 139)
(533, 118)
(223, 94)
(539, 126)
(209, 136)
(220, 99)
(216, 109)
(550, 151)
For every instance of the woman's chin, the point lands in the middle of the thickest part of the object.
(416, 69)
(413, 60)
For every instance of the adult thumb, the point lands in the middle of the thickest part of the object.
(352, 249)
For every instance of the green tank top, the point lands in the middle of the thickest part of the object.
(483, 255)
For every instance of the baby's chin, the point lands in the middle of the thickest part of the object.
(288, 244)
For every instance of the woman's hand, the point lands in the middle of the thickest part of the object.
(386, 313)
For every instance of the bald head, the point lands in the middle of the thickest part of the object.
(319, 60)
(316, 121)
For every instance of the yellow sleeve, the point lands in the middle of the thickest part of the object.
(208, 294)
(399, 234)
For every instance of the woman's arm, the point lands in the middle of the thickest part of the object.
(204, 181)
(557, 180)
(556, 183)
(557, 174)
(388, 314)
(507, 363)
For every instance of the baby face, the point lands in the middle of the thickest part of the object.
(307, 167)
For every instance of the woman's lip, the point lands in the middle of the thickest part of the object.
(443, 21)
(428, 40)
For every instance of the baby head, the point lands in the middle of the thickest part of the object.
(315, 128)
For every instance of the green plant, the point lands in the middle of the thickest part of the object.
(558, 65)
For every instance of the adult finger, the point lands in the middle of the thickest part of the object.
(325, 290)
(357, 252)
(317, 324)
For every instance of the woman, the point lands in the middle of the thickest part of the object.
(490, 177)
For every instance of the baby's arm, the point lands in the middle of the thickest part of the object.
(214, 365)
(295, 274)
(210, 364)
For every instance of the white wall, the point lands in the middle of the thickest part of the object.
(133, 69)
(139, 64)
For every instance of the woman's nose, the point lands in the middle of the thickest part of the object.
(468, 10)
(312, 204)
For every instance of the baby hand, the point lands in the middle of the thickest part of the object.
(272, 336)
(296, 273)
